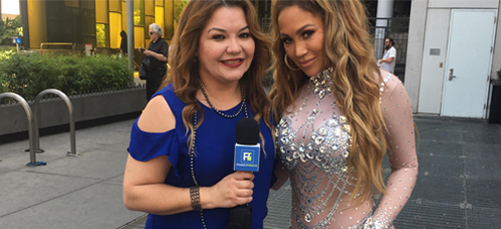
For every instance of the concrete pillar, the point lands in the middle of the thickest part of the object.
(23, 11)
(385, 11)
(415, 47)
(130, 34)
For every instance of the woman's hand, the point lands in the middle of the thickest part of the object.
(234, 189)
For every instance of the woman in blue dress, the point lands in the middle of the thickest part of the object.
(180, 167)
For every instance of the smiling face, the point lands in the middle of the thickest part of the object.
(226, 47)
(302, 35)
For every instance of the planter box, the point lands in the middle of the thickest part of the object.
(54, 112)
(495, 106)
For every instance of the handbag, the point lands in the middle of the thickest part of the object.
(142, 72)
(143, 69)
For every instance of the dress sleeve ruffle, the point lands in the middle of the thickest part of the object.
(145, 146)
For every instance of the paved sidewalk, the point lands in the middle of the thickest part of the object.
(69, 192)
(458, 185)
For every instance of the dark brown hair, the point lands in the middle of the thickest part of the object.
(184, 72)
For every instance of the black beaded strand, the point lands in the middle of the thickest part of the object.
(195, 122)
(192, 167)
(243, 105)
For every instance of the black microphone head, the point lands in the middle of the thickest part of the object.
(247, 131)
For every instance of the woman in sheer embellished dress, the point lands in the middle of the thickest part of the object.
(339, 114)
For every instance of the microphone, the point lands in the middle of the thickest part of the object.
(247, 147)
(247, 151)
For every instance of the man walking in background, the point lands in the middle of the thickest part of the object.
(390, 54)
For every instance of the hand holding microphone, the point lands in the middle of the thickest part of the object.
(234, 189)
(247, 152)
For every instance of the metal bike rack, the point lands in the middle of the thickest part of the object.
(29, 115)
(36, 108)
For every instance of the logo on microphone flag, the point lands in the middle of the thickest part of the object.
(246, 158)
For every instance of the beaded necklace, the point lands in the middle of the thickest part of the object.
(242, 105)
(195, 122)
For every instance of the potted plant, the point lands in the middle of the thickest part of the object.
(495, 106)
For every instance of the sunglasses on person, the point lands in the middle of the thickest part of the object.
(151, 33)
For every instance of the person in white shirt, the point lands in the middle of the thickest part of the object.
(390, 54)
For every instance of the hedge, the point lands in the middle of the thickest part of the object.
(29, 74)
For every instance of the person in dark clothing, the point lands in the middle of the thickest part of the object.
(157, 53)
(123, 44)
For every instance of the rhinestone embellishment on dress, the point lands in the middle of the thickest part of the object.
(328, 146)
(316, 151)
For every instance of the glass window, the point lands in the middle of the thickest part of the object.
(115, 5)
(124, 18)
(88, 22)
(115, 29)
(72, 3)
(101, 11)
(159, 16)
(139, 37)
(139, 12)
(149, 8)
(159, 2)
(102, 35)
(148, 20)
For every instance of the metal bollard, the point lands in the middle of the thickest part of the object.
(36, 108)
(29, 115)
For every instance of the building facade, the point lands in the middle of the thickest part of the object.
(448, 55)
(453, 53)
(99, 22)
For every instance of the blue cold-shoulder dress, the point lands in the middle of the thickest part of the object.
(215, 145)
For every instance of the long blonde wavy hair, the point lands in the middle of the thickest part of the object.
(184, 72)
(355, 88)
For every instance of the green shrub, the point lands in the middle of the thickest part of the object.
(6, 52)
(28, 75)
(10, 28)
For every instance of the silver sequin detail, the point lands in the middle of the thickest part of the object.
(327, 150)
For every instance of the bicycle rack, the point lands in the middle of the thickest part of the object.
(36, 109)
(29, 115)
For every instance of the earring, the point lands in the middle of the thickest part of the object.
(287, 64)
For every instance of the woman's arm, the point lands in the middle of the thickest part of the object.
(157, 56)
(144, 188)
(145, 191)
(399, 121)
(387, 60)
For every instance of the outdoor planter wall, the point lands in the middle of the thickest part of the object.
(495, 106)
(54, 112)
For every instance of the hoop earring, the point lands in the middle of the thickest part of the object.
(287, 64)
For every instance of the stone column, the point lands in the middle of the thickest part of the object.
(130, 34)
(385, 12)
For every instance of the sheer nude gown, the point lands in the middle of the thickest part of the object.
(313, 143)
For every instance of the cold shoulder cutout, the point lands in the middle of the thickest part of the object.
(213, 160)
